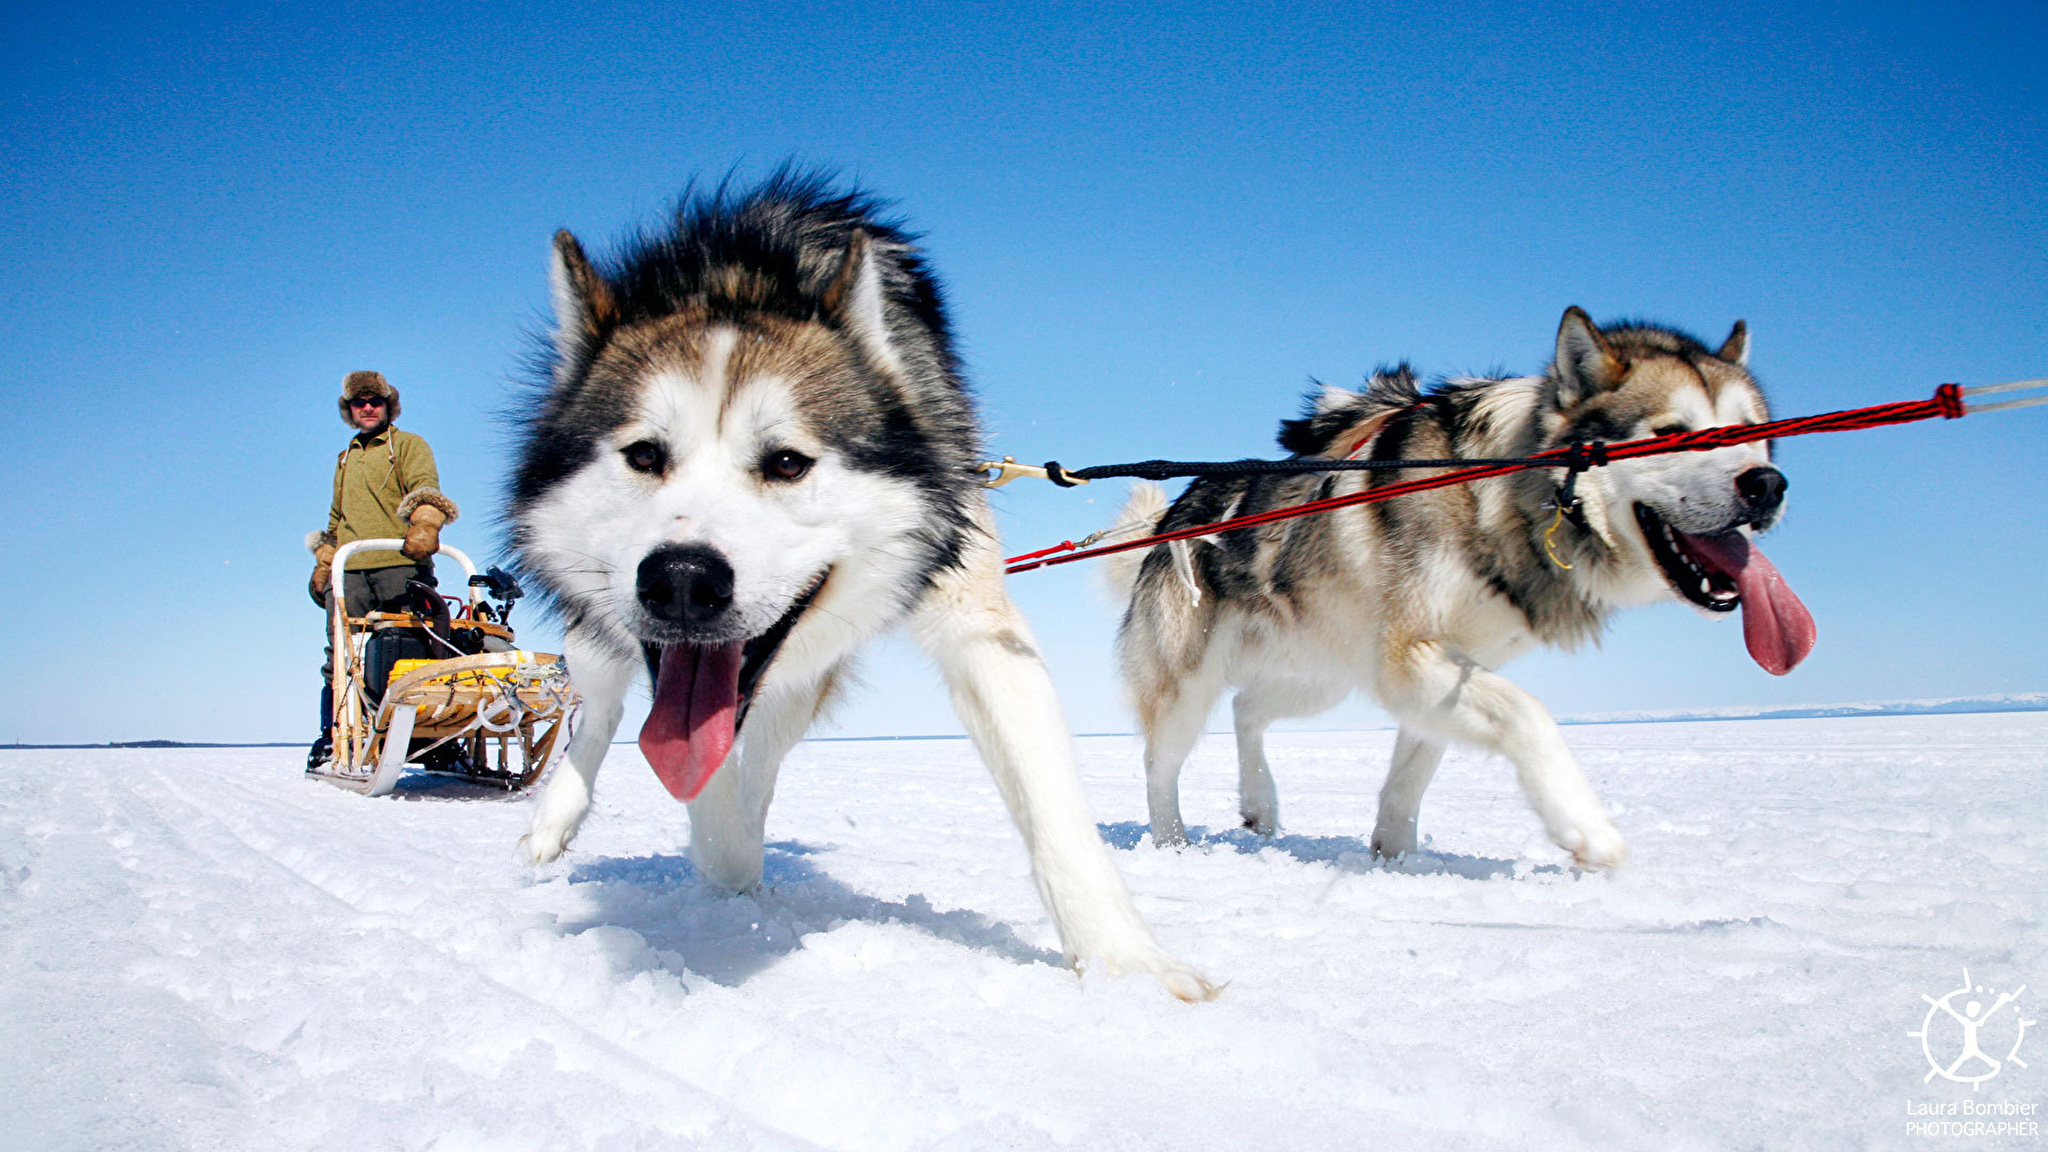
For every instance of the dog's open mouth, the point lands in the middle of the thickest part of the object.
(701, 696)
(1725, 571)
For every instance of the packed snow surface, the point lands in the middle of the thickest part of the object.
(200, 948)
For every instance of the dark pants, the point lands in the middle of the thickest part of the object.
(375, 590)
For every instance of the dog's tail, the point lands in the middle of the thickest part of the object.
(1140, 515)
(1166, 616)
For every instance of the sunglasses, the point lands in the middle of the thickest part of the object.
(367, 402)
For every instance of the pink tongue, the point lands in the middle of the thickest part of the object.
(1776, 626)
(696, 697)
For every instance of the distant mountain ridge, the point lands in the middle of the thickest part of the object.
(158, 744)
(1941, 706)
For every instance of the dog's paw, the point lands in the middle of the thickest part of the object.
(1596, 847)
(1263, 823)
(729, 877)
(1391, 845)
(1189, 986)
(1184, 982)
(546, 841)
(1171, 836)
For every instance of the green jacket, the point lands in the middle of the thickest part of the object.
(372, 477)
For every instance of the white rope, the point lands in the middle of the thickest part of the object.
(2009, 386)
(2002, 405)
(501, 714)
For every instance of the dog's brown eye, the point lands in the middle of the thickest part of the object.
(645, 456)
(785, 465)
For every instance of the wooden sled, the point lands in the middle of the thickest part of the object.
(475, 707)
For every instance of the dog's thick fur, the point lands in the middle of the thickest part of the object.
(1419, 599)
(755, 447)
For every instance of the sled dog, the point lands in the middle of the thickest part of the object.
(752, 453)
(1419, 600)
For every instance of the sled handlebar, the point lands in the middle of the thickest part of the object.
(337, 595)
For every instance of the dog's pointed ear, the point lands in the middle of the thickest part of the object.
(584, 311)
(1735, 349)
(855, 303)
(1586, 363)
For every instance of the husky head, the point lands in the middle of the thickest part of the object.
(754, 451)
(1681, 521)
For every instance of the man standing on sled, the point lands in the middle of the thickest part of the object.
(385, 485)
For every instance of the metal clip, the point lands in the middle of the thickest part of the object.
(1007, 469)
(1549, 545)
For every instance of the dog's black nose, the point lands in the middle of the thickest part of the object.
(685, 584)
(1762, 489)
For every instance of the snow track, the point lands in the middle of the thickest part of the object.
(202, 949)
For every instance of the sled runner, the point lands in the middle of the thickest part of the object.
(446, 691)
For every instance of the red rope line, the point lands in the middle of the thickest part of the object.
(1947, 403)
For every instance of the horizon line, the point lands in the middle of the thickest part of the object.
(1939, 706)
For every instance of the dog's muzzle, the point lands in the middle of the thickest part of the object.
(1762, 492)
(686, 586)
(702, 688)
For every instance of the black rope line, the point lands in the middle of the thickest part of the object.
(1177, 469)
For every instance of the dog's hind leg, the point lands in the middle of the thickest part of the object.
(1005, 698)
(1255, 708)
(729, 819)
(1172, 727)
(1415, 759)
(601, 679)
(1451, 697)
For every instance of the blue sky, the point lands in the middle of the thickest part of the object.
(1156, 224)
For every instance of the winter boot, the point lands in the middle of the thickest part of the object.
(323, 748)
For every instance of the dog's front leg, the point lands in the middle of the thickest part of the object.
(729, 819)
(601, 677)
(1005, 698)
(1451, 697)
(1415, 759)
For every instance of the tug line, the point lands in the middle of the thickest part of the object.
(1950, 401)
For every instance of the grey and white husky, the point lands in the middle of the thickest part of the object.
(1419, 600)
(754, 452)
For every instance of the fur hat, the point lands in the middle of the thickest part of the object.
(368, 384)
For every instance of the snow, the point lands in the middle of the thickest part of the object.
(204, 950)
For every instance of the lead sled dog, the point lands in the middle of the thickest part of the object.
(753, 453)
(1420, 599)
